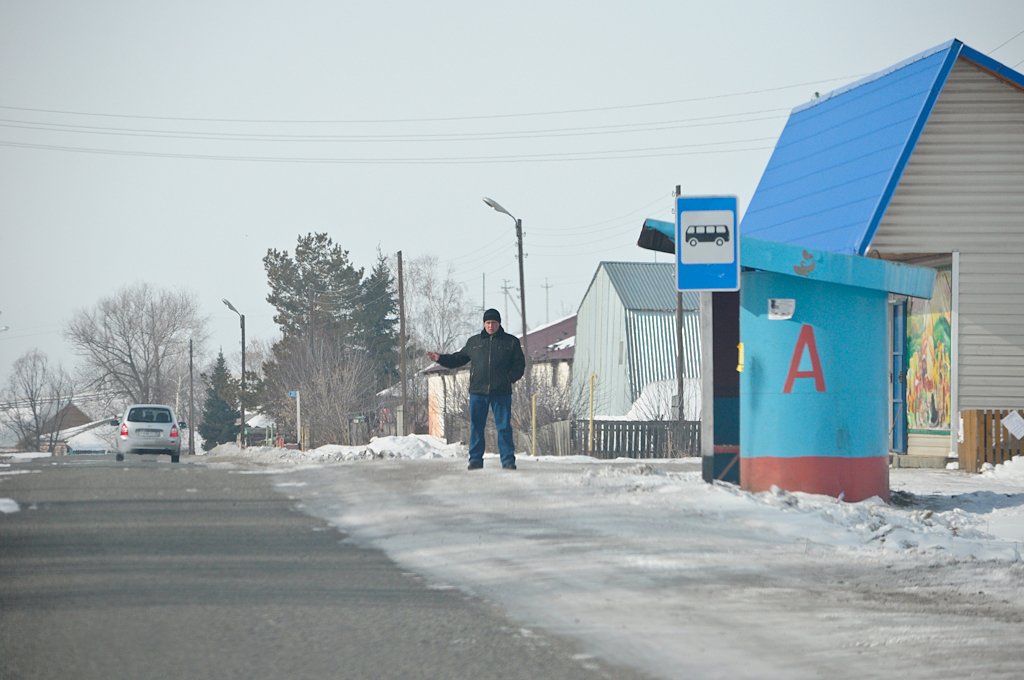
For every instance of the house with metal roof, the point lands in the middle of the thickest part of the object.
(921, 163)
(626, 334)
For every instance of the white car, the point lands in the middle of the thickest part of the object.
(149, 428)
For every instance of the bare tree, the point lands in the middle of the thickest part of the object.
(438, 309)
(136, 342)
(438, 315)
(334, 384)
(37, 398)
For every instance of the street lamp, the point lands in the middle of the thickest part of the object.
(522, 287)
(241, 395)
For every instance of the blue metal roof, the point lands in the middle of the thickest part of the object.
(840, 158)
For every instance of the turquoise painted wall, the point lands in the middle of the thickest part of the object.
(849, 325)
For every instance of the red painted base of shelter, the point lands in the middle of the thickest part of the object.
(855, 479)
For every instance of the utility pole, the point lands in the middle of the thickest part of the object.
(547, 306)
(241, 396)
(505, 288)
(522, 307)
(241, 401)
(401, 345)
(191, 405)
(679, 341)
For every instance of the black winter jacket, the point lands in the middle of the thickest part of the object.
(497, 362)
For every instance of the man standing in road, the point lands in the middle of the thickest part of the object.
(497, 362)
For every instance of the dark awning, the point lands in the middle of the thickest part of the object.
(658, 235)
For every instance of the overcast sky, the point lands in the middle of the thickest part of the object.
(174, 143)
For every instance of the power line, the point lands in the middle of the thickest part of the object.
(498, 116)
(578, 131)
(570, 156)
(1005, 42)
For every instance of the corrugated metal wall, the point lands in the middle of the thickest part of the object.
(600, 333)
(652, 347)
(625, 333)
(963, 190)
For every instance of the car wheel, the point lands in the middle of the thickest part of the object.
(693, 243)
(719, 242)
(119, 457)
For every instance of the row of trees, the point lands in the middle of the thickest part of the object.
(340, 341)
(339, 346)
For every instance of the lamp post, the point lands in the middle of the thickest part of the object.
(522, 287)
(241, 395)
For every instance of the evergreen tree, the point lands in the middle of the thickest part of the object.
(219, 423)
(316, 291)
(376, 324)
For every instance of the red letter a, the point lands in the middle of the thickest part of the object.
(806, 339)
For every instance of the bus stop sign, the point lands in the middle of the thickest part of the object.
(707, 243)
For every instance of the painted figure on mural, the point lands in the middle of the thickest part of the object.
(928, 362)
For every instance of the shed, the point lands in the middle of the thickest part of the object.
(626, 334)
(812, 413)
(813, 416)
(922, 163)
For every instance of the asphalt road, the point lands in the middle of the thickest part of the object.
(152, 570)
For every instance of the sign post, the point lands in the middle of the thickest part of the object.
(297, 396)
(707, 260)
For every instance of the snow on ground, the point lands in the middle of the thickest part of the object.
(647, 565)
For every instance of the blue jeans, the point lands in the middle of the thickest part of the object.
(501, 406)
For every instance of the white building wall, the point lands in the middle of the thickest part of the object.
(601, 349)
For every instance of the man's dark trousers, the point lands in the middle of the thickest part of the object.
(501, 406)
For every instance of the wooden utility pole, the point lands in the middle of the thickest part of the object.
(401, 345)
(505, 288)
(547, 300)
(191, 405)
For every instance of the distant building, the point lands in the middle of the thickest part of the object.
(626, 334)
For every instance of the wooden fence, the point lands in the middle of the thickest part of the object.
(986, 440)
(637, 439)
(612, 438)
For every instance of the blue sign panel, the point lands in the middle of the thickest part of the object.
(707, 243)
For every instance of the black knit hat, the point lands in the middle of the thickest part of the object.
(492, 315)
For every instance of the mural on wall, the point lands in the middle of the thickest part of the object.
(928, 357)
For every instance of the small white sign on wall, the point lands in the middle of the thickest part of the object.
(1015, 424)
